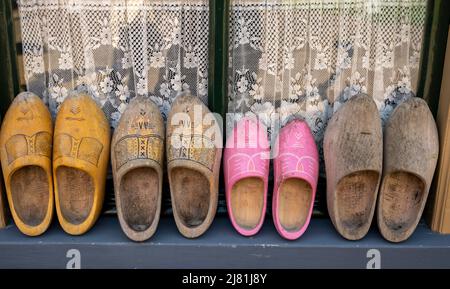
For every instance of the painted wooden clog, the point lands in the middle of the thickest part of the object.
(296, 171)
(137, 152)
(26, 150)
(411, 149)
(80, 160)
(353, 151)
(194, 151)
(246, 171)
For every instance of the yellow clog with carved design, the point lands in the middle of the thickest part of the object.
(80, 160)
(26, 147)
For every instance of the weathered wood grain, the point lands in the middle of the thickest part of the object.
(193, 160)
(353, 151)
(411, 149)
(137, 156)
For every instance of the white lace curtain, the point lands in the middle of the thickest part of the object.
(305, 58)
(296, 58)
(115, 49)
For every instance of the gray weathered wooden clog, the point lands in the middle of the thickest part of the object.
(411, 148)
(353, 152)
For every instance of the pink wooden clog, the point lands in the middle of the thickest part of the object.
(246, 169)
(296, 170)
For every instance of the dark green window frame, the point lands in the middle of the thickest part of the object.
(9, 82)
(433, 52)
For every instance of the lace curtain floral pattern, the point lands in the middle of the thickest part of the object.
(305, 58)
(115, 49)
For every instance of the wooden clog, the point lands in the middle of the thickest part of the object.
(194, 151)
(296, 171)
(137, 152)
(246, 173)
(26, 149)
(80, 160)
(353, 151)
(3, 218)
(411, 149)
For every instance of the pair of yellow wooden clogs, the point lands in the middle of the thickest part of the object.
(193, 163)
(63, 164)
